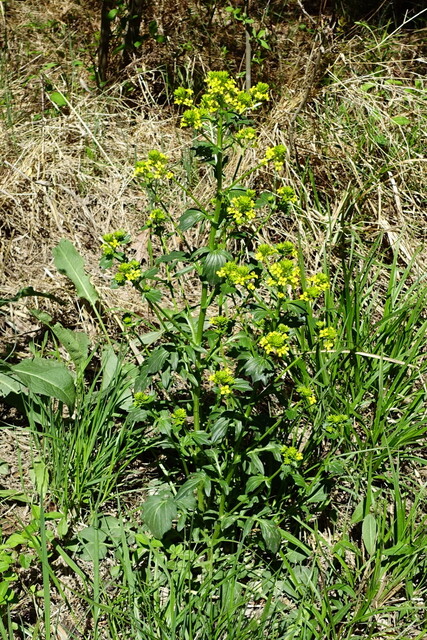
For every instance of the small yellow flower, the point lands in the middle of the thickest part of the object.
(307, 394)
(287, 194)
(277, 155)
(242, 208)
(316, 285)
(284, 274)
(237, 274)
(328, 336)
(193, 118)
(154, 168)
(276, 342)
(291, 455)
(128, 272)
(223, 378)
(184, 96)
(264, 252)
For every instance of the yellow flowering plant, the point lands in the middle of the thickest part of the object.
(222, 362)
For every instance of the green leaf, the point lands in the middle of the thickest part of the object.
(75, 342)
(369, 533)
(27, 292)
(69, 262)
(9, 385)
(190, 218)
(58, 98)
(112, 14)
(254, 482)
(159, 512)
(109, 367)
(190, 485)
(219, 430)
(271, 534)
(173, 256)
(150, 337)
(47, 378)
(401, 120)
(367, 86)
(255, 367)
(213, 261)
(156, 360)
(94, 547)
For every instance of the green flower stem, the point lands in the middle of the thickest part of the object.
(205, 300)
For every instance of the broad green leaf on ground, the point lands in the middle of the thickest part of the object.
(158, 513)
(69, 262)
(47, 378)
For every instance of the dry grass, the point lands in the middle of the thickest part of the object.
(67, 172)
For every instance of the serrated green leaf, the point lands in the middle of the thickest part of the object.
(271, 534)
(190, 218)
(369, 533)
(47, 378)
(256, 367)
(69, 262)
(159, 512)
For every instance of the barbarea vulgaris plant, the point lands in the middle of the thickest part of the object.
(230, 326)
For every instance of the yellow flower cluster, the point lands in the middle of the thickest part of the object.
(237, 274)
(219, 321)
(223, 379)
(242, 208)
(140, 399)
(307, 394)
(290, 455)
(184, 96)
(112, 241)
(316, 285)
(276, 342)
(277, 155)
(128, 272)
(179, 417)
(154, 168)
(328, 336)
(245, 135)
(335, 421)
(287, 194)
(283, 274)
(265, 251)
(193, 118)
(222, 94)
(156, 218)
